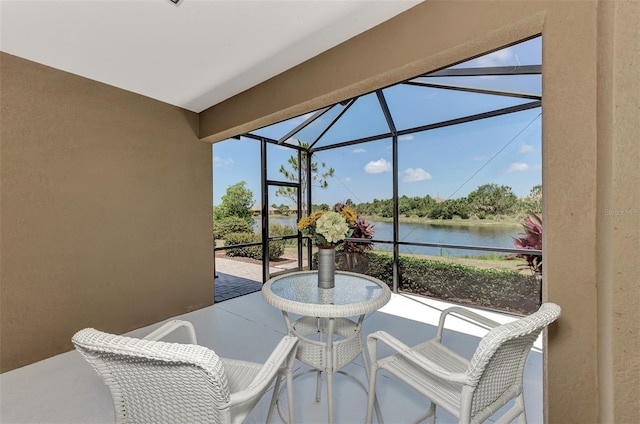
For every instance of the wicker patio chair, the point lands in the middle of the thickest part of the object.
(158, 382)
(472, 390)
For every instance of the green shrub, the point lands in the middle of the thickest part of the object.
(230, 224)
(279, 230)
(380, 267)
(495, 288)
(276, 248)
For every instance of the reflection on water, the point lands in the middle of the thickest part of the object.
(470, 235)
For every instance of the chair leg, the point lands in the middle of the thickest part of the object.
(431, 412)
(371, 396)
(274, 399)
(292, 416)
(522, 418)
(375, 398)
(516, 412)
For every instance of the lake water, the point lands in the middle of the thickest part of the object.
(479, 235)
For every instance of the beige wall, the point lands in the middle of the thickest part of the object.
(618, 246)
(590, 162)
(106, 210)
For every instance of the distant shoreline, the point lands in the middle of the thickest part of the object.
(459, 222)
(507, 222)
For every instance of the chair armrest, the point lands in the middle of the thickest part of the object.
(416, 358)
(169, 327)
(282, 356)
(465, 313)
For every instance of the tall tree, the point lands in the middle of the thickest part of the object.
(318, 176)
(237, 201)
(492, 199)
(534, 200)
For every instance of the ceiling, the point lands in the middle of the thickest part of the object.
(194, 54)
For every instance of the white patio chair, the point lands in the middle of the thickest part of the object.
(157, 382)
(474, 390)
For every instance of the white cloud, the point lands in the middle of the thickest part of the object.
(359, 150)
(346, 180)
(526, 148)
(217, 160)
(480, 158)
(518, 167)
(406, 137)
(496, 58)
(300, 119)
(415, 174)
(537, 166)
(378, 166)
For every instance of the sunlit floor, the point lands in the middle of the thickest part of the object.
(64, 389)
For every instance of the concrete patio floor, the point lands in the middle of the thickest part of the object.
(65, 389)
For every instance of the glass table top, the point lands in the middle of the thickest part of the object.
(353, 294)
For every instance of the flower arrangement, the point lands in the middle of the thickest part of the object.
(361, 229)
(329, 228)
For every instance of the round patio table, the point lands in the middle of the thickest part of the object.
(337, 340)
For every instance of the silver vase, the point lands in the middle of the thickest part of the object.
(326, 268)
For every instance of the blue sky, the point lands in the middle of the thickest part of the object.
(502, 150)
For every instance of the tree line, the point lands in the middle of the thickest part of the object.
(487, 201)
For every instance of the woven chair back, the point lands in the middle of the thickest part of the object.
(157, 382)
(498, 364)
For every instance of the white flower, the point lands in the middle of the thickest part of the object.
(332, 226)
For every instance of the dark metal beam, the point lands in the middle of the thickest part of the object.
(306, 122)
(469, 118)
(352, 142)
(386, 112)
(336, 119)
(475, 90)
(493, 70)
(283, 183)
(466, 247)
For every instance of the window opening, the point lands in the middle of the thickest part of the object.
(430, 161)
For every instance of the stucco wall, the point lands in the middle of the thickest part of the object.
(618, 247)
(106, 210)
(590, 157)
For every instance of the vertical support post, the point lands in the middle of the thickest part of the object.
(308, 154)
(299, 210)
(264, 197)
(396, 221)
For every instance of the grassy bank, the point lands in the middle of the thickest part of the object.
(490, 261)
(502, 221)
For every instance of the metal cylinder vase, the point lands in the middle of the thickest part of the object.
(326, 267)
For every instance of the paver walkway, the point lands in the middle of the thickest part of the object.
(237, 278)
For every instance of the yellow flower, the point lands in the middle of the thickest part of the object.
(307, 221)
(349, 214)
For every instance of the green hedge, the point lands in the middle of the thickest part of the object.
(228, 225)
(493, 288)
(276, 248)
